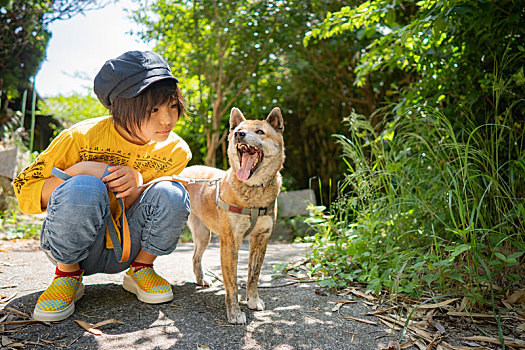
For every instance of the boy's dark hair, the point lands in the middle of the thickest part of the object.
(131, 113)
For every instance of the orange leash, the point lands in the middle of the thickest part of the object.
(122, 246)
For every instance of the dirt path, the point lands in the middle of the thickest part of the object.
(299, 314)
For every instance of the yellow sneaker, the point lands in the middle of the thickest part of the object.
(58, 301)
(147, 286)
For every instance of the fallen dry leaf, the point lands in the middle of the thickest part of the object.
(6, 341)
(517, 297)
(381, 311)
(337, 307)
(362, 295)
(22, 322)
(89, 327)
(18, 312)
(466, 314)
(6, 300)
(465, 304)
(392, 345)
(103, 323)
(8, 286)
(358, 319)
(436, 305)
(390, 325)
(407, 344)
(93, 328)
(318, 291)
(508, 342)
(419, 344)
(507, 305)
(436, 325)
(342, 301)
(423, 334)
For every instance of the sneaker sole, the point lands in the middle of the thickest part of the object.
(52, 316)
(131, 286)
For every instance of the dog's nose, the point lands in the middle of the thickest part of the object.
(239, 135)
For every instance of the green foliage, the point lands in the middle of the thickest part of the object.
(434, 179)
(446, 49)
(24, 36)
(23, 43)
(250, 55)
(419, 202)
(73, 108)
(225, 51)
(16, 227)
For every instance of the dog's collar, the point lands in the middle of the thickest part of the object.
(253, 212)
(246, 211)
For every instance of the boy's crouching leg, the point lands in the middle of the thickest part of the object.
(76, 215)
(162, 214)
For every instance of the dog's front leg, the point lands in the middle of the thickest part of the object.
(258, 243)
(229, 255)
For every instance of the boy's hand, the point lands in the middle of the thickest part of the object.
(123, 179)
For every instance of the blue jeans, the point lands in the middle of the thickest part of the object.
(75, 227)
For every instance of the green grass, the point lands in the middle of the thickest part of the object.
(14, 225)
(425, 208)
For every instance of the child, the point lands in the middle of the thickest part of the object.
(105, 161)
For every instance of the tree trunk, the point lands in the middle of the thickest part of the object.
(214, 135)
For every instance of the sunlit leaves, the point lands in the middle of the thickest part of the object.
(24, 36)
(449, 44)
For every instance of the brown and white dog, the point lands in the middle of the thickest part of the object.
(243, 203)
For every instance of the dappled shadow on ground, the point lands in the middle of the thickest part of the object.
(296, 318)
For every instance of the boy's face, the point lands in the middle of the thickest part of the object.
(161, 122)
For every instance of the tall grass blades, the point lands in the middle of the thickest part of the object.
(425, 206)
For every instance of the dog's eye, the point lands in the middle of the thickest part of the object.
(260, 132)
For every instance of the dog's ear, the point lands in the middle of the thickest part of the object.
(236, 118)
(275, 119)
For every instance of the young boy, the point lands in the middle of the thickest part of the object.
(97, 201)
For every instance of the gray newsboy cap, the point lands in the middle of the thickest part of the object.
(129, 74)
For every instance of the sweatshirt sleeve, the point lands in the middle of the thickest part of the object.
(61, 153)
(182, 156)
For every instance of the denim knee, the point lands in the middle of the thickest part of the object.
(77, 211)
(161, 215)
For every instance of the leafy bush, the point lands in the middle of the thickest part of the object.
(14, 225)
(73, 108)
(434, 189)
(424, 207)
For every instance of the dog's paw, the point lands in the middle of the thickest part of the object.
(205, 281)
(237, 317)
(256, 304)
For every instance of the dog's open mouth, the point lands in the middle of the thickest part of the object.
(250, 158)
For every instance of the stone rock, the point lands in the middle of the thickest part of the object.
(293, 203)
(8, 161)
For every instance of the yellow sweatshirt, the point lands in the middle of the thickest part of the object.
(97, 140)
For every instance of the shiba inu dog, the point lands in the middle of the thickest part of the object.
(242, 203)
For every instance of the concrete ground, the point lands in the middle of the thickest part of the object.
(297, 315)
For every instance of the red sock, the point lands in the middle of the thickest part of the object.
(75, 274)
(138, 265)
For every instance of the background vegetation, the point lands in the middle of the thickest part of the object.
(433, 195)
(407, 117)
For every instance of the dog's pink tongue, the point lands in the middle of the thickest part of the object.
(248, 160)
